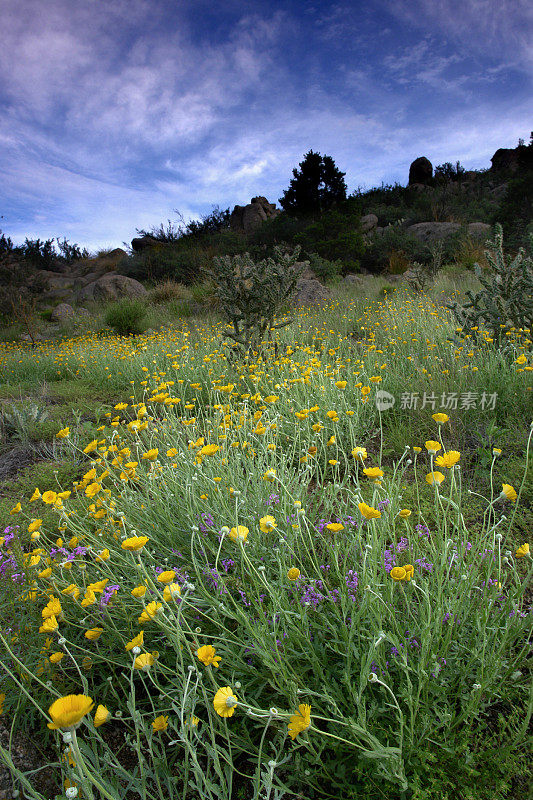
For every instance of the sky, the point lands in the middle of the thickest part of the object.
(117, 114)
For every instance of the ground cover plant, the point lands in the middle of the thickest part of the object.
(267, 578)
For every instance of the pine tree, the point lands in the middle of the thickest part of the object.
(315, 187)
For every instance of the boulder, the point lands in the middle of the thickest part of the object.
(368, 222)
(311, 291)
(142, 242)
(421, 171)
(111, 287)
(432, 232)
(244, 219)
(353, 280)
(505, 160)
(63, 313)
(479, 230)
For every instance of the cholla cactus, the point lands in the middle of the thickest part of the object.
(251, 293)
(506, 300)
(419, 276)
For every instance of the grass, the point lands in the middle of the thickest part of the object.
(393, 687)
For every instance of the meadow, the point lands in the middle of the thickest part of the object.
(228, 577)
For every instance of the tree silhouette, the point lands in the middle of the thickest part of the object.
(316, 186)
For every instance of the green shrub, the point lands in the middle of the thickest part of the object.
(126, 316)
(394, 239)
(335, 235)
(323, 267)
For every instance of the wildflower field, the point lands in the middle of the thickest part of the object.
(263, 581)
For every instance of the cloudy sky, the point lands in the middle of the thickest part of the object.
(114, 113)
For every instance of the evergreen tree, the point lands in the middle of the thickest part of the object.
(315, 187)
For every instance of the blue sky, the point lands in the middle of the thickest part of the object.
(113, 113)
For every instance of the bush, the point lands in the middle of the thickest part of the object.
(168, 291)
(324, 268)
(126, 316)
(384, 250)
(335, 235)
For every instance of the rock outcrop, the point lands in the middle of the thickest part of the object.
(111, 287)
(311, 291)
(432, 232)
(505, 160)
(244, 219)
(142, 242)
(368, 223)
(63, 313)
(421, 171)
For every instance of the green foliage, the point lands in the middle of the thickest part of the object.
(126, 316)
(448, 172)
(394, 239)
(323, 267)
(251, 294)
(506, 299)
(335, 235)
(315, 187)
(18, 422)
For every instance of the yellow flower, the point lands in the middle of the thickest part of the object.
(93, 634)
(373, 472)
(333, 461)
(98, 586)
(67, 712)
(89, 599)
(171, 592)
(441, 418)
(172, 452)
(239, 533)
(103, 556)
(49, 497)
(150, 611)
(508, 493)
(101, 715)
(55, 658)
(331, 441)
(150, 455)
(134, 544)
(404, 513)
(293, 574)
(92, 489)
(49, 625)
(51, 609)
(448, 459)
(137, 641)
(16, 509)
(300, 720)
(160, 723)
(359, 452)
(267, 524)
(91, 447)
(432, 447)
(139, 591)
(523, 550)
(496, 451)
(340, 384)
(167, 576)
(209, 450)
(335, 527)
(33, 526)
(192, 720)
(409, 571)
(64, 433)
(398, 573)
(368, 512)
(434, 478)
(207, 656)
(269, 475)
(35, 496)
(224, 702)
(144, 661)
(521, 359)
(417, 449)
